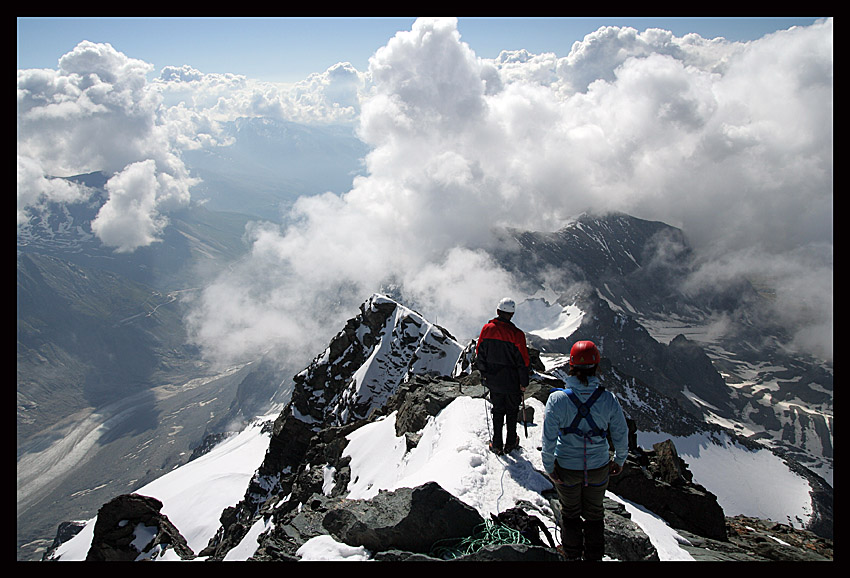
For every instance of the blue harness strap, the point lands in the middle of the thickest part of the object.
(583, 413)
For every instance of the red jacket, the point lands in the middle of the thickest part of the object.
(502, 356)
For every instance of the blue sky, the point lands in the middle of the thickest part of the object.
(289, 49)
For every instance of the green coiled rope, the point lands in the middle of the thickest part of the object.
(487, 534)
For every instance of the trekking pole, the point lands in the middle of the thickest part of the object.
(487, 411)
(524, 423)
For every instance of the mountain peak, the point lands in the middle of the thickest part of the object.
(365, 362)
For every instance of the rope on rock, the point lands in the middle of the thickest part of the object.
(487, 534)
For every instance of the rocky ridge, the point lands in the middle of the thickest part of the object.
(338, 393)
(427, 523)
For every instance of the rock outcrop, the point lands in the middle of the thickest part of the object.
(660, 481)
(131, 527)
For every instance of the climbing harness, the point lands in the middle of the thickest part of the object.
(583, 413)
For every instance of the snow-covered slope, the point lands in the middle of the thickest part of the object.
(195, 494)
(452, 452)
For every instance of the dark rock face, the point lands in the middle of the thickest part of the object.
(667, 369)
(639, 263)
(393, 341)
(65, 532)
(625, 540)
(422, 397)
(660, 481)
(333, 396)
(131, 527)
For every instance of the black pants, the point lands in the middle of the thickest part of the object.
(505, 412)
(582, 512)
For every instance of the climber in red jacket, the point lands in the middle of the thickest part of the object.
(502, 358)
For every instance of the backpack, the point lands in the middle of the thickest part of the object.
(527, 525)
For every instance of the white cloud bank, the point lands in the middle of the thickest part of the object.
(95, 114)
(730, 141)
(98, 112)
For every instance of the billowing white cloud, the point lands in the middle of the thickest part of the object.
(96, 113)
(34, 188)
(732, 142)
(128, 219)
(332, 96)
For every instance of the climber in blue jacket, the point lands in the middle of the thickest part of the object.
(577, 423)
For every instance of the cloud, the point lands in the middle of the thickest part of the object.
(36, 189)
(799, 283)
(730, 141)
(329, 97)
(96, 113)
(129, 219)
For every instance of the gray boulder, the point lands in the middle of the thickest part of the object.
(408, 519)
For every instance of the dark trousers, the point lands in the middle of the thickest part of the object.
(505, 412)
(582, 512)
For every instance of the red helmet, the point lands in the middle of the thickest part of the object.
(584, 353)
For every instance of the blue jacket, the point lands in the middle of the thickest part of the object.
(570, 449)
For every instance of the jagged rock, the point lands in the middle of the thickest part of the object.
(332, 392)
(667, 466)
(394, 525)
(422, 397)
(665, 487)
(396, 341)
(294, 528)
(207, 444)
(774, 541)
(65, 532)
(410, 519)
(755, 540)
(131, 527)
(411, 440)
(224, 541)
(625, 540)
(704, 549)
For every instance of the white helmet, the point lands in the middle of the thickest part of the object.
(507, 305)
